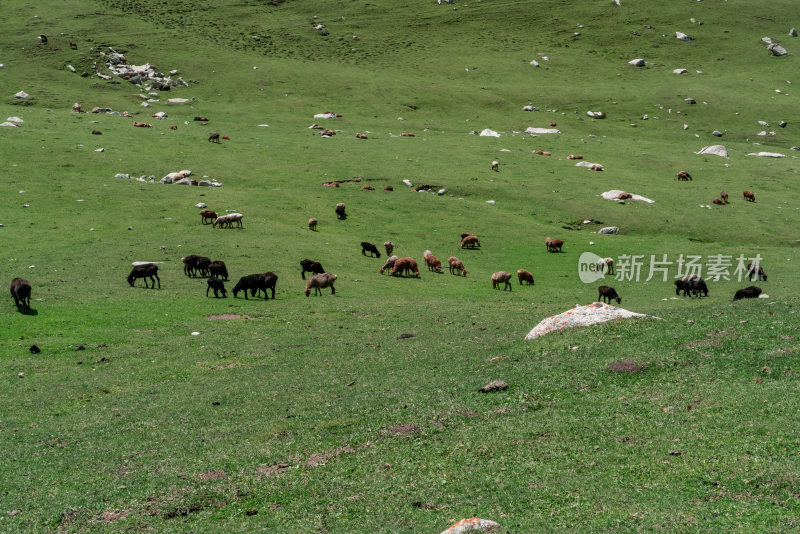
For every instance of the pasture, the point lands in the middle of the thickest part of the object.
(163, 410)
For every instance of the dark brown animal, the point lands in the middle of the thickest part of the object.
(254, 283)
(42, 37)
(718, 201)
(607, 294)
(340, 209)
(218, 269)
(201, 119)
(525, 276)
(312, 224)
(142, 125)
(748, 195)
(310, 266)
(388, 188)
(751, 292)
(724, 196)
(21, 293)
(624, 196)
(73, 45)
(684, 176)
(573, 156)
(756, 270)
(470, 241)
(555, 245)
(406, 134)
(369, 247)
(213, 138)
(405, 265)
(502, 277)
(97, 132)
(368, 188)
(207, 215)
(217, 285)
(361, 136)
(173, 127)
(148, 270)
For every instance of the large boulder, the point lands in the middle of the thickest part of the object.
(716, 150)
(777, 50)
(609, 230)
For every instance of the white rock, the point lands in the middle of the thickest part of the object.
(532, 130)
(440, 192)
(534, 63)
(682, 36)
(609, 230)
(11, 124)
(490, 202)
(473, 525)
(614, 193)
(767, 154)
(680, 71)
(529, 108)
(195, 333)
(99, 149)
(177, 100)
(582, 316)
(489, 133)
(200, 205)
(328, 115)
(716, 150)
(639, 62)
(71, 68)
(596, 114)
(407, 182)
(21, 94)
(685, 126)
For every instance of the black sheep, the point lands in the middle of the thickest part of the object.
(369, 247)
(756, 270)
(252, 283)
(217, 285)
(270, 280)
(190, 264)
(21, 292)
(340, 210)
(751, 292)
(607, 294)
(202, 265)
(310, 266)
(148, 270)
(218, 269)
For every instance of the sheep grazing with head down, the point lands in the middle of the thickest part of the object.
(718, 202)
(255, 284)
(724, 196)
(310, 266)
(218, 269)
(525, 276)
(501, 277)
(318, 282)
(470, 241)
(21, 293)
(145, 271)
(270, 281)
(548, 243)
(312, 224)
(389, 263)
(684, 176)
(369, 247)
(207, 216)
(605, 264)
(754, 269)
(607, 294)
(389, 246)
(340, 210)
(433, 263)
(405, 265)
(691, 284)
(749, 195)
(217, 285)
(554, 245)
(456, 265)
(496, 166)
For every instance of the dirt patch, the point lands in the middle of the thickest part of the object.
(227, 316)
(402, 429)
(701, 343)
(268, 470)
(322, 457)
(469, 414)
(626, 366)
(214, 474)
(112, 516)
(69, 515)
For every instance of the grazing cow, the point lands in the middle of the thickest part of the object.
(21, 293)
(525, 276)
(724, 196)
(310, 266)
(213, 138)
(751, 292)
(142, 125)
(754, 269)
(312, 224)
(748, 195)
(217, 285)
(145, 271)
(684, 176)
(502, 277)
(369, 247)
(607, 294)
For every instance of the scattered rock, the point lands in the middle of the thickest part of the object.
(473, 524)
(682, 37)
(537, 131)
(609, 230)
(494, 385)
(489, 133)
(615, 193)
(777, 50)
(596, 114)
(793, 32)
(767, 154)
(638, 62)
(590, 314)
(716, 150)
(716, 133)
(680, 71)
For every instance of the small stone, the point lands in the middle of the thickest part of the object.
(494, 385)
(716, 133)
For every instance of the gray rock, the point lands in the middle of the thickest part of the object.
(166, 180)
(716, 133)
(494, 385)
(184, 181)
(204, 183)
(609, 230)
(690, 100)
(793, 32)
(682, 36)
(777, 50)
(639, 62)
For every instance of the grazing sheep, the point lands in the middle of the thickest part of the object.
(189, 264)
(456, 265)
(596, 167)
(748, 195)
(73, 45)
(389, 263)
(724, 196)
(97, 132)
(203, 265)
(389, 246)
(226, 221)
(252, 283)
(525, 276)
(226, 137)
(217, 285)
(388, 188)
(751, 292)
(42, 38)
(555, 245)
(433, 263)
(173, 127)
(548, 243)
(756, 270)
(684, 176)
(218, 269)
(361, 136)
(310, 266)
(470, 241)
(312, 224)
(270, 281)
(369, 247)
(718, 202)
(406, 134)
(207, 216)
(691, 285)
(320, 282)
(214, 138)
(496, 166)
(21, 293)
(142, 125)
(605, 264)
(201, 119)
(575, 156)
(340, 209)
(405, 265)
(368, 188)
(501, 277)
(145, 271)
(607, 294)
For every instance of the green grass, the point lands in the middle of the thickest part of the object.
(315, 412)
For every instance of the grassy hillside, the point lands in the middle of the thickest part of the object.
(318, 414)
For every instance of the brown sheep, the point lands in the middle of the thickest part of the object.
(548, 243)
(605, 264)
(201, 119)
(501, 277)
(173, 127)
(748, 195)
(214, 138)
(312, 224)
(456, 265)
(724, 196)
(388, 188)
(573, 156)
(73, 45)
(470, 241)
(624, 196)
(389, 246)
(496, 166)
(142, 125)
(208, 215)
(368, 188)
(226, 137)
(525, 276)
(718, 201)
(319, 282)
(389, 263)
(555, 245)
(405, 265)
(97, 132)
(684, 176)
(596, 167)
(361, 136)
(433, 263)
(406, 134)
